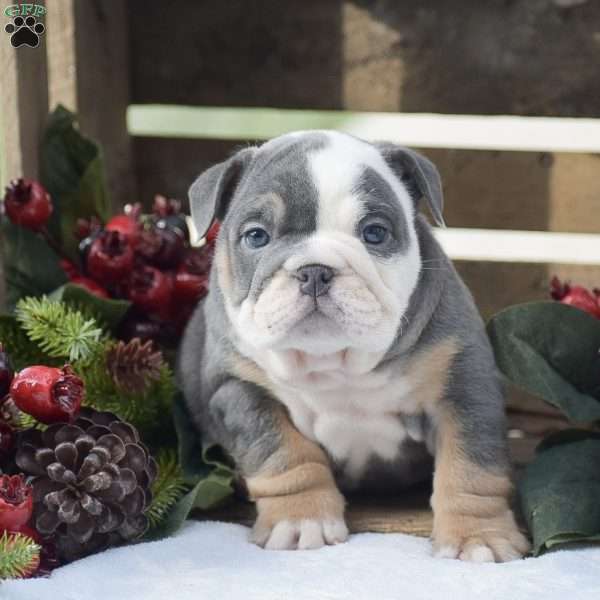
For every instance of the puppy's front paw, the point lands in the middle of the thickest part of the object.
(478, 539)
(307, 534)
(300, 521)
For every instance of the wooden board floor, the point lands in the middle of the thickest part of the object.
(409, 513)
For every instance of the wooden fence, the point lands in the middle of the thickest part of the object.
(523, 58)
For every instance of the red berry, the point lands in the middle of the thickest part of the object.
(48, 394)
(580, 297)
(191, 279)
(162, 247)
(151, 290)
(190, 287)
(110, 257)
(16, 502)
(69, 268)
(163, 207)
(87, 227)
(576, 295)
(6, 372)
(27, 203)
(213, 232)
(126, 225)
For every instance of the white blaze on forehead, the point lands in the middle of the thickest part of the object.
(336, 170)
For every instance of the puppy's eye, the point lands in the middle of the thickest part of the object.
(374, 234)
(256, 237)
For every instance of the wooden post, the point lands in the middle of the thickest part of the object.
(23, 112)
(89, 74)
(24, 106)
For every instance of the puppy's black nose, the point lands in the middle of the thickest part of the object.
(315, 280)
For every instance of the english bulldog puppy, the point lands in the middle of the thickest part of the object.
(339, 350)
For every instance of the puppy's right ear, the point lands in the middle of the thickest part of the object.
(211, 193)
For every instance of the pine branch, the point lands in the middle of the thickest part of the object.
(145, 409)
(19, 555)
(23, 352)
(58, 330)
(167, 488)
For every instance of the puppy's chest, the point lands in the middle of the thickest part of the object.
(355, 417)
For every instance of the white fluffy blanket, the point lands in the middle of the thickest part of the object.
(210, 560)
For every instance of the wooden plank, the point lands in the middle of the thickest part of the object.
(24, 105)
(279, 54)
(496, 285)
(419, 130)
(23, 113)
(89, 73)
(409, 513)
(485, 189)
(470, 57)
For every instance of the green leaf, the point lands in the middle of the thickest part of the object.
(551, 350)
(105, 310)
(204, 467)
(72, 170)
(190, 443)
(31, 267)
(209, 492)
(560, 491)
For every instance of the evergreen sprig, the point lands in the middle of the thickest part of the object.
(18, 553)
(58, 330)
(167, 488)
(146, 409)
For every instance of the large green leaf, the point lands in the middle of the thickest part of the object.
(31, 267)
(107, 311)
(204, 467)
(551, 350)
(560, 491)
(73, 172)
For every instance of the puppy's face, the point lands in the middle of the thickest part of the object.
(317, 250)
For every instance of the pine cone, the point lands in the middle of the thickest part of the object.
(133, 365)
(92, 482)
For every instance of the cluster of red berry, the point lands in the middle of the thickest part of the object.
(146, 259)
(50, 395)
(576, 295)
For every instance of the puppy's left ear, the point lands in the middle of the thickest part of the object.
(212, 191)
(419, 174)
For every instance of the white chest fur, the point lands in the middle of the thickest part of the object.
(350, 410)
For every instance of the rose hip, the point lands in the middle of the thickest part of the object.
(110, 257)
(48, 394)
(28, 204)
(16, 502)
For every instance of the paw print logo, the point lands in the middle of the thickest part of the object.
(25, 32)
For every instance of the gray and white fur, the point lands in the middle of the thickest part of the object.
(351, 322)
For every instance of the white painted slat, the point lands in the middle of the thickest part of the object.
(547, 134)
(520, 246)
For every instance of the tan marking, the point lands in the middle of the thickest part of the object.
(471, 504)
(428, 373)
(247, 370)
(223, 267)
(295, 484)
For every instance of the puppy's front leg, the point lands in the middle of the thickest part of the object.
(471, 491)
(287, 475)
